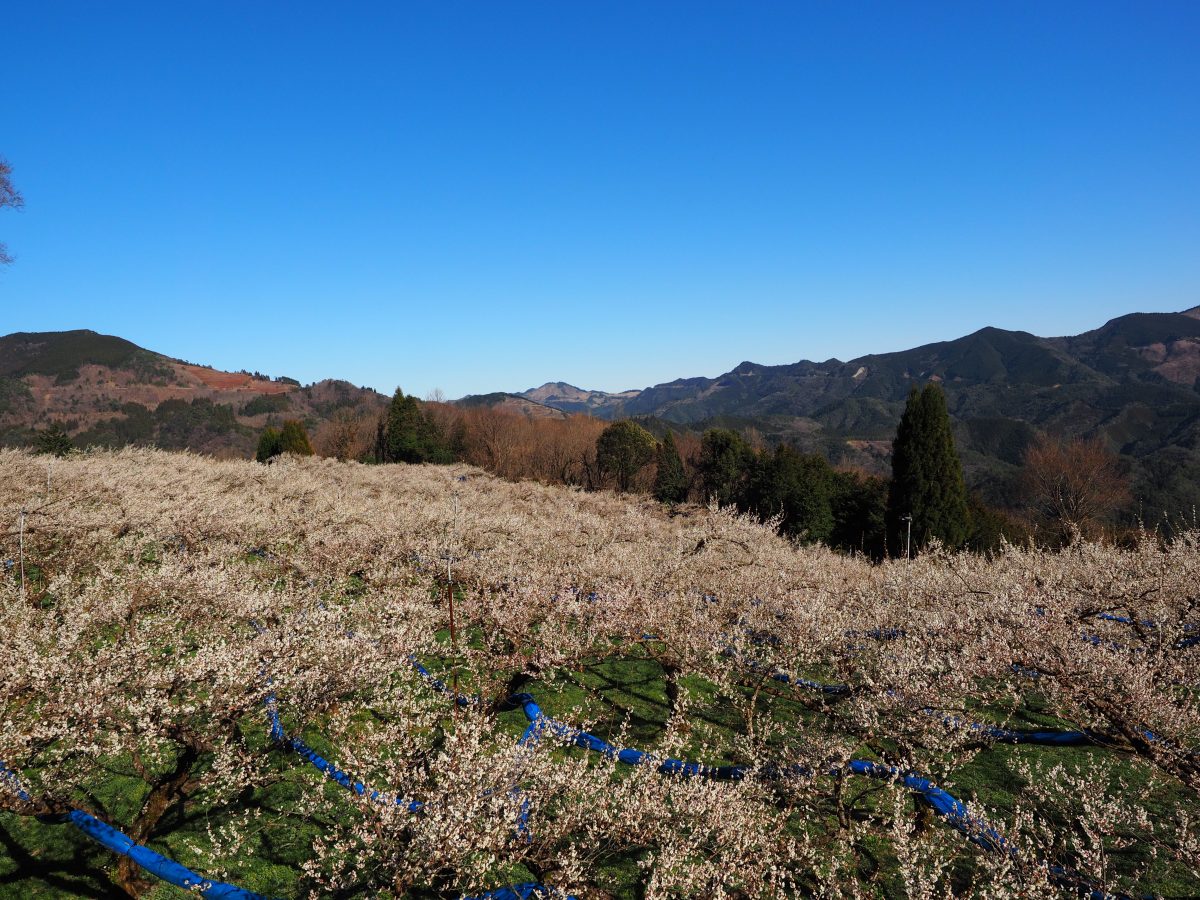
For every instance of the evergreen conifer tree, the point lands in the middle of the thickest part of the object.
(381, 438)
(54, 440)
(796, 486)
(859, 503)
(268, 444)
(725, 464)
(403, 436)
(293, 438)
(409, 433)
(927, 479)
(622, 450)
(670, 482)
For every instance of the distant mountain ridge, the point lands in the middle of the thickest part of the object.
(571, 399)
(1134, 381)
(1148, 347)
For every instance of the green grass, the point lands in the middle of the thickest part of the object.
(630, 693)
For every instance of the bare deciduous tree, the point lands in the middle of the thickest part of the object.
(1072, 486)
(9, 196)
(345, 436)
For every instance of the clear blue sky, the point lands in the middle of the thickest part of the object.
(487, 196)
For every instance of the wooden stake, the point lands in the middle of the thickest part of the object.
(21, 540)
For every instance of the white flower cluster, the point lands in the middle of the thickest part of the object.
(164, 595)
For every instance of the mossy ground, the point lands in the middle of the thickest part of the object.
(626, 696)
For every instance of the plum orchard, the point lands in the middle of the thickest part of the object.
(164, 595)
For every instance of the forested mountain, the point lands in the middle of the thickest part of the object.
(1135, 382)
(106, 391)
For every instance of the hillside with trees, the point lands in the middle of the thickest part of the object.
(105, 391)
(1123, 389)
(1133, 385)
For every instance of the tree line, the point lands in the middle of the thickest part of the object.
(1071, 488)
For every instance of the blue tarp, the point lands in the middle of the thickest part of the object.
(119, 842)
(949, 807)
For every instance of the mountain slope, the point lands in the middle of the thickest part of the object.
(512, 403)
(1135, 382)
(571, 399)
(107, 391)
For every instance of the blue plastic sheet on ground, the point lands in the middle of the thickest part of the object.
(1047, 737)
(953, 810)
(517, 892)
(153, 862)
(324, 766)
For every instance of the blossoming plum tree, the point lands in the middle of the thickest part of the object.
(168, 595)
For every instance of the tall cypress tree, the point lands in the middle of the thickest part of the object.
(670, 482)
(402, 441)
(381, 438)
(293, 438)
(927, 479)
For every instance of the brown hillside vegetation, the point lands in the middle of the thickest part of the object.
(152, 600)
(233, 381)
(106, 391)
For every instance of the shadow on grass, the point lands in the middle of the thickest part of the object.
(65, 864)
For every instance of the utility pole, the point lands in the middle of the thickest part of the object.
(908, 536)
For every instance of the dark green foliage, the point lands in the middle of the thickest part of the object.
(859, 503)
(495, 398)
(182, 424)
(622, 450)
(381, 439)
(725, 460)
(990, 527)
(327, 398)
(1000, 387)
(402, 438)
(927, 480)
(269, 445)
(136, 426)
(1167, 489)
(670, 481)
(61, 353)
(1005, 439)
(53, 440)
(1113, 347)
(815, 502)
(411, 435)
(173, 425)
(865, 418)
(14, 393)
(267, 403)
(293, 438)
(796, 486)
(657, 427)
(150, 368)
